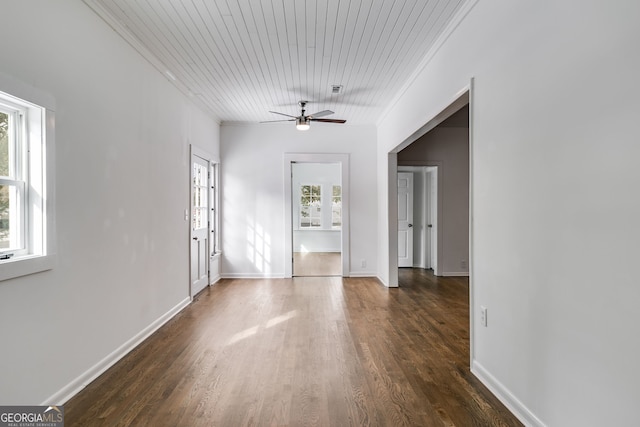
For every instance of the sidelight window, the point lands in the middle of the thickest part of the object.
(336, 207)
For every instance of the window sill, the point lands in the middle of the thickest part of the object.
(25, 265)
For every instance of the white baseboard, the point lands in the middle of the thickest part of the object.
(362, 274)
(75, 386)
(281, 276)
(384, 283)
(455, 274)
(318, 250)
(523, 413)
(251, 276)
(215, 280)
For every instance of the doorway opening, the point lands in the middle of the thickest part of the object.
(445, 147)
(451, 214)
(317, 220)
(418, 217)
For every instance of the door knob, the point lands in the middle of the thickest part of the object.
(410, 225)
(429, 226)
(195, 238)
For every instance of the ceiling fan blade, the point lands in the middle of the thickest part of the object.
(328, 120)
(282, 114)
(321, 114)
(284, 120)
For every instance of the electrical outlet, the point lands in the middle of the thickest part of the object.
(363, 263)
(483, 316)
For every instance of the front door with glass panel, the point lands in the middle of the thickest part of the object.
(199, 224)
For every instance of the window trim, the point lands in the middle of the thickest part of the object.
(40, 139)
(18, 173)
(214, 197)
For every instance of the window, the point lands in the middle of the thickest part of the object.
(12, 182)
(336, 207)
(26, 219)
(310, 206)
(214, 242)
(200, 197)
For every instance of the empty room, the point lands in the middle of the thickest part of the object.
(167, 167)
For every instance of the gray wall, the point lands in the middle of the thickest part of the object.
(449, 148)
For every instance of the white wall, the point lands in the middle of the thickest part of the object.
(555, 230)
(317, 241)
(449, 148)
(122, 185)
(325, 238)
(253, 216)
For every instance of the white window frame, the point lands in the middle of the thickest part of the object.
(36, 112)
(214, 197)
(16, 176)
(333, 199)
(311, 217)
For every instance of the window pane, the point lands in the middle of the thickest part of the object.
(4, 217)
(200, 197)
(4, 144)
(336, 207)
(9, 217)
(304, 216)
(310, 206)
(336, 216)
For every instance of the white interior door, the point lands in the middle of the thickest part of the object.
(431, 205)
(428, 225)
(405, 219)
(432, 224)
(199, 224)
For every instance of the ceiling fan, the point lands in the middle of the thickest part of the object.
(303, 121)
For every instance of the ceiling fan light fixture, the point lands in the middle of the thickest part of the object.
(302, 123)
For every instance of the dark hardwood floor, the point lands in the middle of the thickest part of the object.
(302, 352)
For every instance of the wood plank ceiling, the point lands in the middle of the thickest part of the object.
(242, 58)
